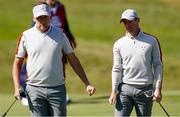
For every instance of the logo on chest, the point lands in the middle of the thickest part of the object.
(143, 48)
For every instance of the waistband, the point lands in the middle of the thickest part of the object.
(139, 86)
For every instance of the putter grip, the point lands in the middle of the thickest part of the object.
(22, 93)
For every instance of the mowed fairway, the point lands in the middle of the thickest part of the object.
(83, 105)
(95, 25)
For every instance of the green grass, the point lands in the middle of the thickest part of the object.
(97, 105)
(95, 25)
(97, 62)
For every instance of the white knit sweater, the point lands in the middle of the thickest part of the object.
(137, 61)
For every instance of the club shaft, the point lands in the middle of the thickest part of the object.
(9, 108)
(164, 109)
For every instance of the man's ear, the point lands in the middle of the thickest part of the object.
(34, 19)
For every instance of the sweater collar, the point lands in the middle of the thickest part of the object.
(43, 33)
(136, 37)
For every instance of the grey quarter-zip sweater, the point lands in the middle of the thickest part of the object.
(137, 61)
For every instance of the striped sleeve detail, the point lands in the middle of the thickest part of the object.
(20, 47)
(158, 44)
(158, 64)
(159, 49)
(17, 45)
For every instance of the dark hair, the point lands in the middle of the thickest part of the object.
(39, 2)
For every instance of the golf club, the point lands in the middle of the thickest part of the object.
(22, 94)
(164, 109)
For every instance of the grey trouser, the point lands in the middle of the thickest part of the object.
(47, 101)
(129, 96)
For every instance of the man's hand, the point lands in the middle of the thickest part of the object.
(112, 98)
(17, 95)
(157, 95)
(90, 90)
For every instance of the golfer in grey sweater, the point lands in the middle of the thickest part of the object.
(137, 65)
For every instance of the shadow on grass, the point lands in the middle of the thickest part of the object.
(101, 97)
(93, 100)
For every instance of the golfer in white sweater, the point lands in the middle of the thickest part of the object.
(137, 64)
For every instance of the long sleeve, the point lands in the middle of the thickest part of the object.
(157, 64)
(117, 68)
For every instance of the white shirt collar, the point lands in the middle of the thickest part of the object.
(43, 33)
(136, 37)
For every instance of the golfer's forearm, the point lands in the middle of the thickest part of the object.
(116, 76)
(158, 75)
(16, 79)
(114, 92)
(80, 72)
(116, 80)
(16, 72)
(116, 69)
(159, 84)
(76, 65)
(16, 84)
(157, 64)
